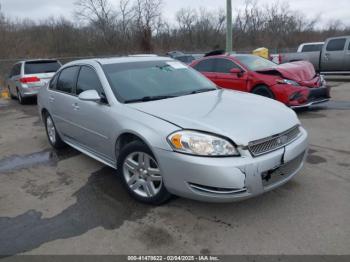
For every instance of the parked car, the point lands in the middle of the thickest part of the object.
(333, 58)
(186, 59)
(27, 77)
(167, 129)
(294, 84)
(303, 48)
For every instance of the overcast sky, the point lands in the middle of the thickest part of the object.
(41, 9)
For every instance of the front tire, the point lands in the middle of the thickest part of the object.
(51, 132)
(263, 90)
(141, 175)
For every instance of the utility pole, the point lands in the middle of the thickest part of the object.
(229, 26)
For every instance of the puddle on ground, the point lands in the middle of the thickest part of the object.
(314, 159)
(102, 202)
(46, 157)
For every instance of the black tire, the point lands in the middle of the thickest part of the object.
(162, 194)
(263, 90)
(55, 141)
(20, 98)
(11, 95)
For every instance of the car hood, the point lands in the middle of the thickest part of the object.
(298, 71)
(242, 117)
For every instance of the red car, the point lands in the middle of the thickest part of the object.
(294, 84)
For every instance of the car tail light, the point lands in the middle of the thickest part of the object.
(30, 79)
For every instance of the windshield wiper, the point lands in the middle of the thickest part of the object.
(148, 98)
(201, 91)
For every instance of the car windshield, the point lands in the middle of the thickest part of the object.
(147, 81)
(255, 63)
(37, 67)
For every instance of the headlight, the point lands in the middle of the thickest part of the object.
(201, 144)
(288, 82)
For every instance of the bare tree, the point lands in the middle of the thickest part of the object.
(147, 13)
(127, 15)
(100, 14)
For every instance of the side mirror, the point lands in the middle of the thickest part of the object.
(90, 95)
(236, 71)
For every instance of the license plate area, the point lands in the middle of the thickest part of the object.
(282, 172)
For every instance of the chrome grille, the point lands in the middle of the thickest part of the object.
(266, 145)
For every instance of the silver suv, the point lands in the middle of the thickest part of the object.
(27, 77)
(168, 130)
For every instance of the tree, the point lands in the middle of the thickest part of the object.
(147, 14)
(99, 14)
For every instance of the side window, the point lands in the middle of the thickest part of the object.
(336, 44)
(205, 66)
(88, 80)
(224, 65)
(349, 46)
(67, 79)
(53, 82)
(16, 70)
(311, 48)
(12, 73)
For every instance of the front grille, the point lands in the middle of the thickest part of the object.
(283, 172)
(266, 145)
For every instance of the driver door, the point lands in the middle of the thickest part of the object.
(93, 129)
(225, 79)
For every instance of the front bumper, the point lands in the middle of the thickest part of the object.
(234, 178)
(315, 96)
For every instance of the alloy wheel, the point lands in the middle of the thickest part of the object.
(142, 174)
(51, 131)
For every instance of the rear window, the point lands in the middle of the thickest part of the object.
(255, 63)
(336, 44)
(37, 67)
(312, 48)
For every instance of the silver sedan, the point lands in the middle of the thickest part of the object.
(168, 130)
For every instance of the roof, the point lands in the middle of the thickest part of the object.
(131, 59)
(37, 60)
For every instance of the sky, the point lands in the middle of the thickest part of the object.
(40, 9)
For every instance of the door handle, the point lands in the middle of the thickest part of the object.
(76, 106)
(51, 99)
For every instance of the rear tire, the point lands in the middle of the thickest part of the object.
(263, 90)
(141, 175)
(51, 132)
(20, 98)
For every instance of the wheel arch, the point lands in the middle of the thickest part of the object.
(263, 85)
(126, 138)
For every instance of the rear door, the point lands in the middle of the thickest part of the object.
(92, 129)
(62, 100)
(333, 56)
(225, 79)
(206, 67)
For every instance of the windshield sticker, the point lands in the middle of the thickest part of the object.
(177, 65)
